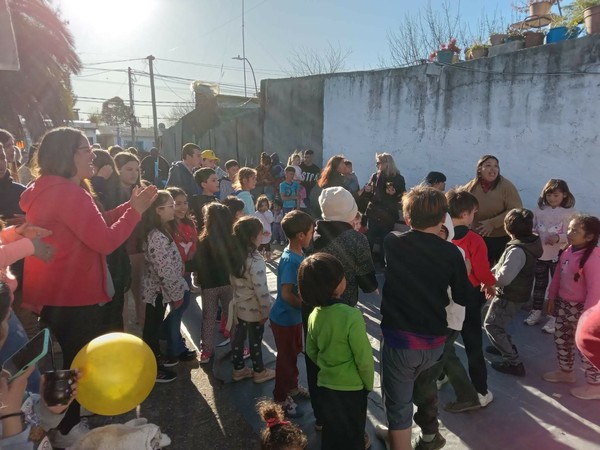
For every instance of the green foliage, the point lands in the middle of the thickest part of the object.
(116, 112)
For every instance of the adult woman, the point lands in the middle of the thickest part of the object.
(264, 180)
(384, 193)
(332, 174)
(69, 290)
(496, 196)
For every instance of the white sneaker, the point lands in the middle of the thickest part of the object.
(381, 431)
(549, 326)
(534, 317)
(60, 440)
(486, 399)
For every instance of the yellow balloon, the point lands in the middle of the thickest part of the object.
(118, 371)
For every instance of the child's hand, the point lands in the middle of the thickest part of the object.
(31, 231)
(42, 250)
(552, 239)
(59, 409)
(263, 321)
(550, 306)
(177, 304)
(485, 228)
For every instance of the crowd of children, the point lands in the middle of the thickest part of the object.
(221, 234)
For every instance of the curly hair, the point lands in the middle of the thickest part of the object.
(279, 434)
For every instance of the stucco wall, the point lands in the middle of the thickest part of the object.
(540, 126)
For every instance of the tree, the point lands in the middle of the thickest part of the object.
(177, 112)
(95, 117)
(41, 90)
(419, 35)
(305, 61)
(116, 112)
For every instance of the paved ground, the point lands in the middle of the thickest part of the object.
(199, 411)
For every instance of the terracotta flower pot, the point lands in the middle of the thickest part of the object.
(591, 18)
(533, 38)
(497, 39)
(479, 53)
(540, 8)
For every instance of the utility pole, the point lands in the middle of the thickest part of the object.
(154, 118)
(244, 49)
(132, 116)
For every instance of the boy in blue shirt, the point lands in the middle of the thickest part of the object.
(289, 190)
(286, 314)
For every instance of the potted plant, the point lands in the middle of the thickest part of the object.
(477, 50)
(585, 11)
(513, 35)
(561, 29)
(539, 8)
(533, 38)
(446, 52)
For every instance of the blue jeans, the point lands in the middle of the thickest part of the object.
(171, 327)
(17, 337)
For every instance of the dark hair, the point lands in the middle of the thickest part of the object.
(295, 222)
(177, 192)
(56, 155)
(330, 170)
(151, 220)
(231, 163)
(112, 196)
(265, 159)
(519, 222)
(262, 199)
(471, 185)
(234, 204)
(279, 434)
(203, 174)
(556, 184)
(290, 169)
(309, 152)
(188, 150)
(216, 232)
(318, 277)
(114, 149)
(424, 206)
(348, 163)
(245, 232)
(435, 177)
(590, 225)
(460, 201)
(132, 150)
(277, 202)
(123, 158)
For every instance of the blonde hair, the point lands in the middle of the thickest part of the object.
(387, 158)
(244, 173)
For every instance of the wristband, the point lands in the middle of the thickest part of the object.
(6, 416)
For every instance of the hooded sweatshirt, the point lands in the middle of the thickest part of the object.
(352, 249)
(181, 177)
(81, 236)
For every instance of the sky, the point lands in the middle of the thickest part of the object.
(196, 40)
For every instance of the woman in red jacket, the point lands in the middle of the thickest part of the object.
(69, 290)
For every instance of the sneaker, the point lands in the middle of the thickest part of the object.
(299, 392)
(187, 355)
(494, 351)
(168, 361)
(437, 443)
(534, 317)
(458, 407)
(486, 399)
(205, 357)
(246, 353)
(509, 368)
(165, 376)
(265, 375)
(367, 441)
(559, 376)
(226, 334)
(441, 381)
(241, 374)
(587, 392)
(549, 326)
(224, 343)
(59, 440)
(291, 408)
(381, 431)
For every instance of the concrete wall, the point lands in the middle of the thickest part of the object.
(293, 115)
(540, 126)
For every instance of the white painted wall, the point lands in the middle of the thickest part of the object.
(539, 126)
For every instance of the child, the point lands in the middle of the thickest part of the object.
(462, 206)
(225, 184)
(294, 161)
(162, 282)
(279, 434)
(278, 235)
(290, 191)
(337, 342)
(555, 209)
(264, 214)
(415, 295)
(183, 231)
(350, 178)
(209, 184)
(245, 181)
(235, 206)
(286, 314)
(514, 280)
(251, 303)
(575, 288)
(213, 268)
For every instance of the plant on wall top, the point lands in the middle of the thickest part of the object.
(574, 11)
(451, 45)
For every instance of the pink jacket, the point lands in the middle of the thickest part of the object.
(563, 284)
(82, 238)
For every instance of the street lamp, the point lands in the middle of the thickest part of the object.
(243, 58)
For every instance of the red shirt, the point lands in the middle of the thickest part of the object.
(476, 252)
(186, 239)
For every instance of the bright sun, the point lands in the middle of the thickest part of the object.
(116, 18)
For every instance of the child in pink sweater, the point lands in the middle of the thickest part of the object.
(575, 287)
